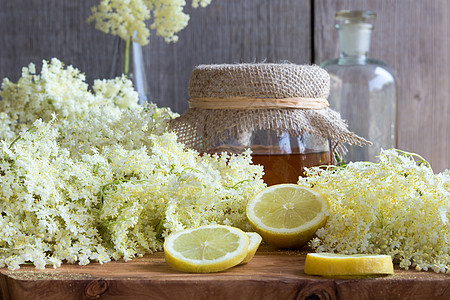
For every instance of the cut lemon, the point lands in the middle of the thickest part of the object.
(254, 241)
(205, 249)
(340, 265)
(287, 215)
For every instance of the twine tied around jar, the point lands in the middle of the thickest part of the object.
(257, 103)
(229, 100)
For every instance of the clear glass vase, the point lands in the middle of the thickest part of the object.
(362, 89)
(138, 73)
(129, 60)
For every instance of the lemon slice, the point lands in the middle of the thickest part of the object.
(340, 265)
(287, 215)
(254, 241)
(205, 249)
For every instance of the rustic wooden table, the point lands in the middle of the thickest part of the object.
(272, 274)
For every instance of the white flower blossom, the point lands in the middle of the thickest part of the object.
(397, 206)
(127, 18)
(92, 176)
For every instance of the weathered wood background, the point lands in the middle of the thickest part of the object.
(412, 36)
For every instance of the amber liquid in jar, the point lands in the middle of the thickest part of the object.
(281, 165)
(287, 168)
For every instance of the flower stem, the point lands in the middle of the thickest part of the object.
(126, 63)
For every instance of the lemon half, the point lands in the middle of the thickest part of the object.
(287, 215)
(340, 265)
(205, 249)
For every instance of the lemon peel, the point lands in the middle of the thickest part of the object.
(341, 265)
(254, 241)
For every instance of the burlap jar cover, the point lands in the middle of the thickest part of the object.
(226, 101)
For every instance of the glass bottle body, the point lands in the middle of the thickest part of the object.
(283, 156)
(363, 91)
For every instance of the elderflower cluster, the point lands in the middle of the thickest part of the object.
(105, 126)
(127, 19)
(62, 91)
(105, 180)
(397, 206)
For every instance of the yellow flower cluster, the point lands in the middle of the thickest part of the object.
(99, 178)
(397, 206)
(127, 18)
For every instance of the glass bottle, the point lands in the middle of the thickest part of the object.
(362, 89)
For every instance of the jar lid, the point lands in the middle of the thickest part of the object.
(256, 86)
(217, 92)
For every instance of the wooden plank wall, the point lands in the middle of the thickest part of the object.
(33, 30)
(413, 37)
(231, 31)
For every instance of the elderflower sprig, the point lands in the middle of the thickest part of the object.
(114, 203)
(97, 177)
(61, 90)
(127, 19)
(397, 206)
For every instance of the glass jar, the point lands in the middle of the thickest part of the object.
(279, 111)
(362, 89)
(283, 156)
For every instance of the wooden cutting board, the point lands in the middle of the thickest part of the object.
(272, 274)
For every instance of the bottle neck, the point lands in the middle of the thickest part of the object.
(354, 41)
